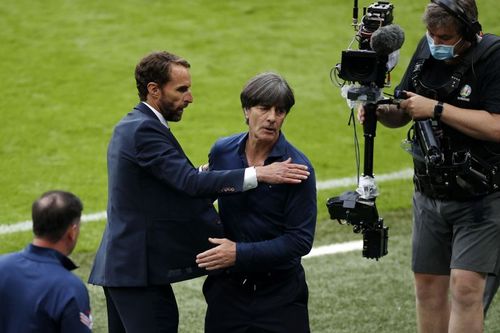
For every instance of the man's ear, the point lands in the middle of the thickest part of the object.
(153, 89)
(73, 231)
(245, 113)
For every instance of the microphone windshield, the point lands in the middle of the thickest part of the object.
(387, 39)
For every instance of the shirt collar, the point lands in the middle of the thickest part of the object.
(49, 255)
(158, 114)
(278, 151)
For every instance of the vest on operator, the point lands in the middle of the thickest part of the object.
(466, 167)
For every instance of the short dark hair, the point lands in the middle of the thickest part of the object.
(267, 89)
(435, 16)
(155, 67)
(54, 212)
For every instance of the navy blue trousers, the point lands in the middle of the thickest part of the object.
(141, 309)
(268, 303)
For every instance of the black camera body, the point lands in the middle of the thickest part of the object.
(365, 65)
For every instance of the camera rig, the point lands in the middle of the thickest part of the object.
(365, 73)
(365, 65)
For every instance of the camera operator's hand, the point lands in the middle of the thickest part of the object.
(387, 114)
(418, 107)
(361, 112)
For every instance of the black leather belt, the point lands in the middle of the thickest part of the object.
(253, 281)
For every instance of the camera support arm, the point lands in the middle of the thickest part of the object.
(369, 131)
(358, 208)
(367, 188)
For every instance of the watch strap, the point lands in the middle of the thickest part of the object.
(438, 110)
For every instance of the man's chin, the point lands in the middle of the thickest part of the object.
(175, 117)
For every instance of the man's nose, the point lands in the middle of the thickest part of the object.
(271, 115)
(437, 41)
(189, 97)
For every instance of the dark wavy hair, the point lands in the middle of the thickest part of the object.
(155, 67)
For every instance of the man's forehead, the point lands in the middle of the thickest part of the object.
(179, 76)
(449, 30)
(443, 31)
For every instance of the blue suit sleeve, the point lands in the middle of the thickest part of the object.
(159, 153)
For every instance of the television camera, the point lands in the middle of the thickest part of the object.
(366, 71)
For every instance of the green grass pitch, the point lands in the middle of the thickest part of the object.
(67, 77)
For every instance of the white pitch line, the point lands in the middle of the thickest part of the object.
(26, 225)
(323, 185)
(350, 181)
(335, 248)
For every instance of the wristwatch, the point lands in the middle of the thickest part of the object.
(438, 110)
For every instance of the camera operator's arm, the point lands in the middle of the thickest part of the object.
(388, 115)
(478, 124)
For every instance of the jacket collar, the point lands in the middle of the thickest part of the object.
(145, 109)
(45, 254)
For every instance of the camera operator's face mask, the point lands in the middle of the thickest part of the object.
(441, 51)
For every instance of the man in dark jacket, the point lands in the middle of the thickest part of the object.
(38, 293)
(262, 285)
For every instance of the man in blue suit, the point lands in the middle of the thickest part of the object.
(160, 211)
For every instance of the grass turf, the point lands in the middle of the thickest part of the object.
(67, 78)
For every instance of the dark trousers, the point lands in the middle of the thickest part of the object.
(151, 309)
(268, 303)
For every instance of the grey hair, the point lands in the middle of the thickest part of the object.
(267, 89)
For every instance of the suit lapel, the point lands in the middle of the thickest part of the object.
(177, 145)
(145, 109)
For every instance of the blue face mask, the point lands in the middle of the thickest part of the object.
(441, 51)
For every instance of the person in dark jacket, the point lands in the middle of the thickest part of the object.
(38, 293)
(261, 284)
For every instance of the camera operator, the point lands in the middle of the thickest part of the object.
(455, 82)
